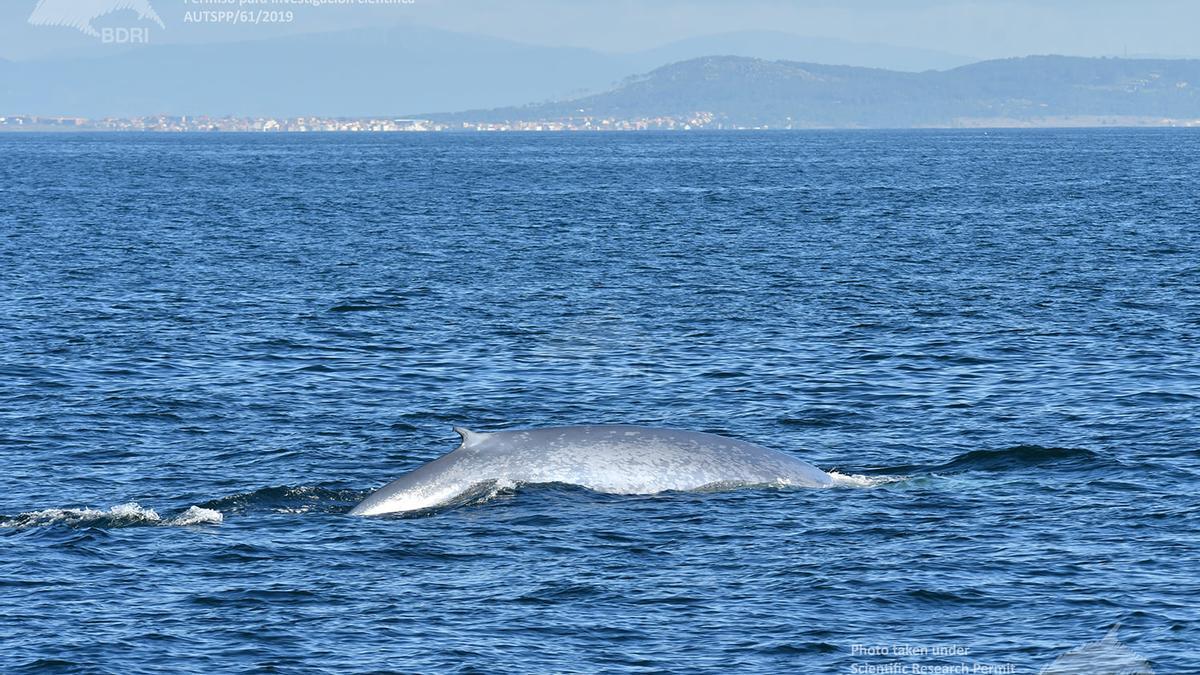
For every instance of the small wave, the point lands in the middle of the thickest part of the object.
(1004, 459)
(357, 307)
(1017, 457)
(130, 514)
(289, 499)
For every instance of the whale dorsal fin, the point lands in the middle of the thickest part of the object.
(470, 438)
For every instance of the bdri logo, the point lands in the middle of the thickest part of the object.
(79, 14)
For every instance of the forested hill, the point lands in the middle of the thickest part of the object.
(740, 91)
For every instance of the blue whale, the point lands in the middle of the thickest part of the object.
(618, 459)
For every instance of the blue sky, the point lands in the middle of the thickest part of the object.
(971, 28)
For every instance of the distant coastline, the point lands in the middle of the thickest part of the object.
(727, 93)
(312, 123)
(696, 122)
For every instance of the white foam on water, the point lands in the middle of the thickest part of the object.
(121, 515)
(198, 516)
(127, 514)
(861, 481)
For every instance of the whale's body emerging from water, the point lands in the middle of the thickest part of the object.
(606, 458)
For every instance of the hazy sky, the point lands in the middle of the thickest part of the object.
(984, 29)
(972, 28)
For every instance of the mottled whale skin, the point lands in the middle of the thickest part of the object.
(618, 459)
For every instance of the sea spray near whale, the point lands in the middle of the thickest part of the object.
(130, 514)
(620, 459)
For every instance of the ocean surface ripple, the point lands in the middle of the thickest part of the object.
(212, 347)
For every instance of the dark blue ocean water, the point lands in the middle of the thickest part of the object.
(1000, 330)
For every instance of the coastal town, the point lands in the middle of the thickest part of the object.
(687, 122)
(202, 123)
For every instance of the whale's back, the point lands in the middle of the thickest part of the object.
(641, 460)
(618, 459)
